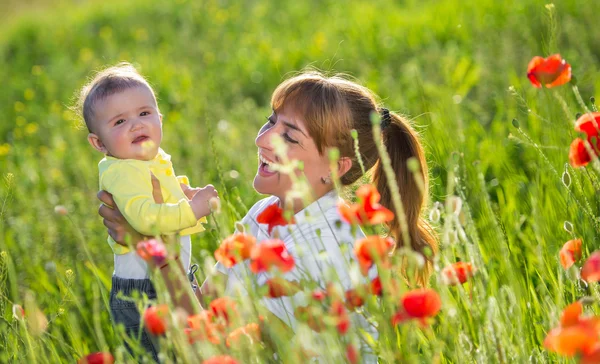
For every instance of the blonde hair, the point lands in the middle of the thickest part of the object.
(107, 82)
(331, 107)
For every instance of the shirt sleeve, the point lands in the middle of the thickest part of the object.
(131, 188)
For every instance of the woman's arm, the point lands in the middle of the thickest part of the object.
(172, 272)
(116, 224)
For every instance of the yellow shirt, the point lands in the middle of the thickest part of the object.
(130, 183)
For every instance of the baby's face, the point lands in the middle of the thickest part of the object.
(127, 125)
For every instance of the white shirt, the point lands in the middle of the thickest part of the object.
(321, 244)
(132, 266)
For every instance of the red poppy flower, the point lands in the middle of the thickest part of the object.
(354, 299)
(273, 216)
(421, 303)
(588, 123)
(271, 253)
(591, 268)
(235, 249)
(312, 316)
(570, 315)
(576, 334)
(250, 332)
(319, 295)
(204, 328)
(152, 249)
(342, 320)
(457, 273)
(570, 253)
(279, 287)
(367, 210)
(376, 287)
(572, 340)
(220, 359)
(352, 354)
(225, 308)
(372, 249)
(550, 72)
(155, 319)
(591, 355)
(400, 317)
(97, 358)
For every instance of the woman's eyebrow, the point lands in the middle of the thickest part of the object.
(292, 126)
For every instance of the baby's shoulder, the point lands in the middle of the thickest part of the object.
(122, 169)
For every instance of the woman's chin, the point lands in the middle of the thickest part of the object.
(267, 185)
(260, 186)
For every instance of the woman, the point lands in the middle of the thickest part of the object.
(313, 113)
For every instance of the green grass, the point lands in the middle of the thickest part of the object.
(447, 64)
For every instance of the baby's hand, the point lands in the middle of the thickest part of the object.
(200, 200)
(188, 191)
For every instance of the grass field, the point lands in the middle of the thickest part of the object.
(457, 68)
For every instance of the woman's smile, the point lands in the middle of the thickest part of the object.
(264, 169)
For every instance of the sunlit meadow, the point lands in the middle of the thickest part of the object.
(503, 194)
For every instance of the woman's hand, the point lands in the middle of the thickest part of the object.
(117, 226)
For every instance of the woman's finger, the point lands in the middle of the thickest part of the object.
(110, 214)
(106, 198)
(114, 230)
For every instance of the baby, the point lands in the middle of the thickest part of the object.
(121, 113)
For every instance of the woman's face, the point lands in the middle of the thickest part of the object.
(300, 146)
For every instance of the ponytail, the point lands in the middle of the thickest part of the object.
(402, 143)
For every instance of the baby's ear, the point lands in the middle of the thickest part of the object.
(96, 143)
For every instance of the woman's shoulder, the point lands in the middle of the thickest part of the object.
(259, 206)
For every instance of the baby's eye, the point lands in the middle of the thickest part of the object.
(120, 121)
(144, 113)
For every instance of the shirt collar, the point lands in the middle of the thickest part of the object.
(161, 155)
(318, 208)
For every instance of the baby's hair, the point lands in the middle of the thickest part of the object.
(107, 82)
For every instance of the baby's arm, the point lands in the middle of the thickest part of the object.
(131, 188)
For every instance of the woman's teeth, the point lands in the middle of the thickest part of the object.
(265, 164)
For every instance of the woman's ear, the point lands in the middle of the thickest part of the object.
(96, 143)
(344, 165)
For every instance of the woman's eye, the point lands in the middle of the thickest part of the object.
(144, 113)
(270, 121)
(120, 121)
(288, 139)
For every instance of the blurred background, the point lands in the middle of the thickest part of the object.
(456, 68)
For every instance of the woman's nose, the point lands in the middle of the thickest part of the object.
(263, 139)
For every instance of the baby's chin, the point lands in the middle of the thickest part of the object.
(145, 154)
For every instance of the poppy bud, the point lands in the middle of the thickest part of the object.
(515, 123)
(573, 80)
(434, 215)
(215, 205)
(60, 210)
(566, 179)
(568, 227)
